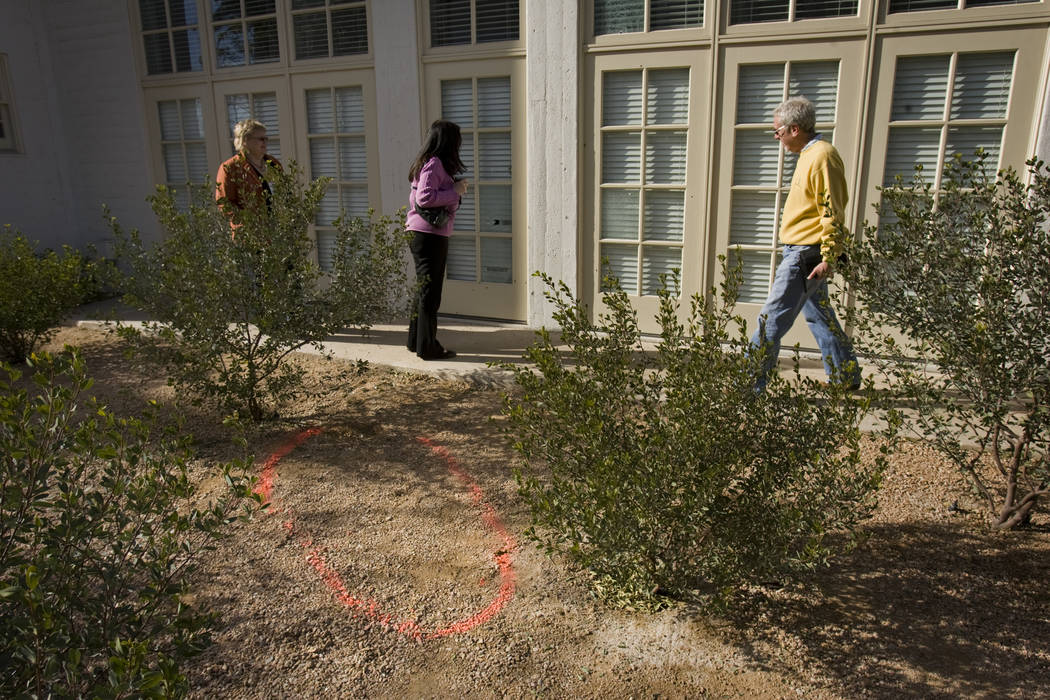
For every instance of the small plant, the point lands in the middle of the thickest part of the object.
(229, 306)
(662, 471)
(37, 292)
(100, 532)
(954, 291)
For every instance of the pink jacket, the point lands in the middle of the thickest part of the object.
(433, 188)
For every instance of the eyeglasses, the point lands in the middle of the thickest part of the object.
(776, 132)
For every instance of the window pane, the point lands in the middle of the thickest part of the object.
(756, 269)
(495, 208)
(183, 12)
(621, 262)
(326, 249)
(908, 147)
(266, 112)
(750, 11)
(620, 214)
(621, 157)
(350, 109)
(496, 260)
(982, 85)
(197, 162)
(353, 161)
(320, 118)
(816, 9)
(158, 53)
(253, 8)
(920, 88)
(153, 13)
(920, 5)
(755, 160)
(304, 4)
(229, 45)
(262, 41)
(329, 209)
(664, 215)
(465, 215)
(753, 218)
(323, 161)
(449, 22)
(466, 154)
(349, 31)
(497, 20)
(225, 9)
(494, 156)
(311, 36)
(665, 157)
(965, 140)
(622, 98)
(675, 14)
(668, 94)
(657, 262)
(760, 91)
(192, 119)
(462, 259)
(618, 16)
(170, 128)
(818, 81)
(494, 102)
(988, 3)
(353, 200)
(457, 103)
(174, 164)
(187, 50)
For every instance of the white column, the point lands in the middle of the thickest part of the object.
(395, 45)
(552, 68)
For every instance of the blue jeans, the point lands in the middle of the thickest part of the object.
(792, 293)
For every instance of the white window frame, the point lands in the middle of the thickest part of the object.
(243, 21)
(202, 27)
(291, 14)
(474, 46)
(693, 274)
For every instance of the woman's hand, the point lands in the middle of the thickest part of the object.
(461, 187)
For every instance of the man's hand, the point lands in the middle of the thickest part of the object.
(821, 271)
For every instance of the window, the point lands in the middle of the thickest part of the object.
(7, 125)
(455, 22)
(481, 247)
(326, 28)
(261, 106)
(644, 127)
(622, 16)
(182, 146)
(170, 36)
(921, 5)
(336, 134)
(946, 104)
(761, 169)
(754, 11)
(245, 32)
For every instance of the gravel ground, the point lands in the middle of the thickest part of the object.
(391, 567)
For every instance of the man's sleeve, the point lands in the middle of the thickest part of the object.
(831, 183)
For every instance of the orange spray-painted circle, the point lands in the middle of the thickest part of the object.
(369, 608)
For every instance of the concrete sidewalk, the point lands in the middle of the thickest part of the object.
(476, 343)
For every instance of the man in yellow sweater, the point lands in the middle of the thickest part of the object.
(816, 200)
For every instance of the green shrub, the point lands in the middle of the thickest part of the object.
(662, 471)
(954, 291)
(227, 311)
(37, 292)
(100, 532)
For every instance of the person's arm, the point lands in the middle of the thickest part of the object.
(227, 188)
(828, 179)
(435, 188)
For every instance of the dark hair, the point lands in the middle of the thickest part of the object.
(443, 141)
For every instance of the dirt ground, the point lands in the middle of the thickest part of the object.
(391, 564)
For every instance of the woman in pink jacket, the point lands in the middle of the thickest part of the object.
(432, 206)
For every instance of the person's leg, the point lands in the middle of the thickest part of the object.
(835, 348)
(780, 310)
(430, 253)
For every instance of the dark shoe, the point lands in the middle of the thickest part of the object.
(443, 355)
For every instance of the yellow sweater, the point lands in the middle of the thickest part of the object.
(819, 182)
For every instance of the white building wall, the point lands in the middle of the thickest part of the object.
(34, 183)
(78, 112)
(395, 41)
(552, 66)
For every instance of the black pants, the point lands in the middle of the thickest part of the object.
(430, 251)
